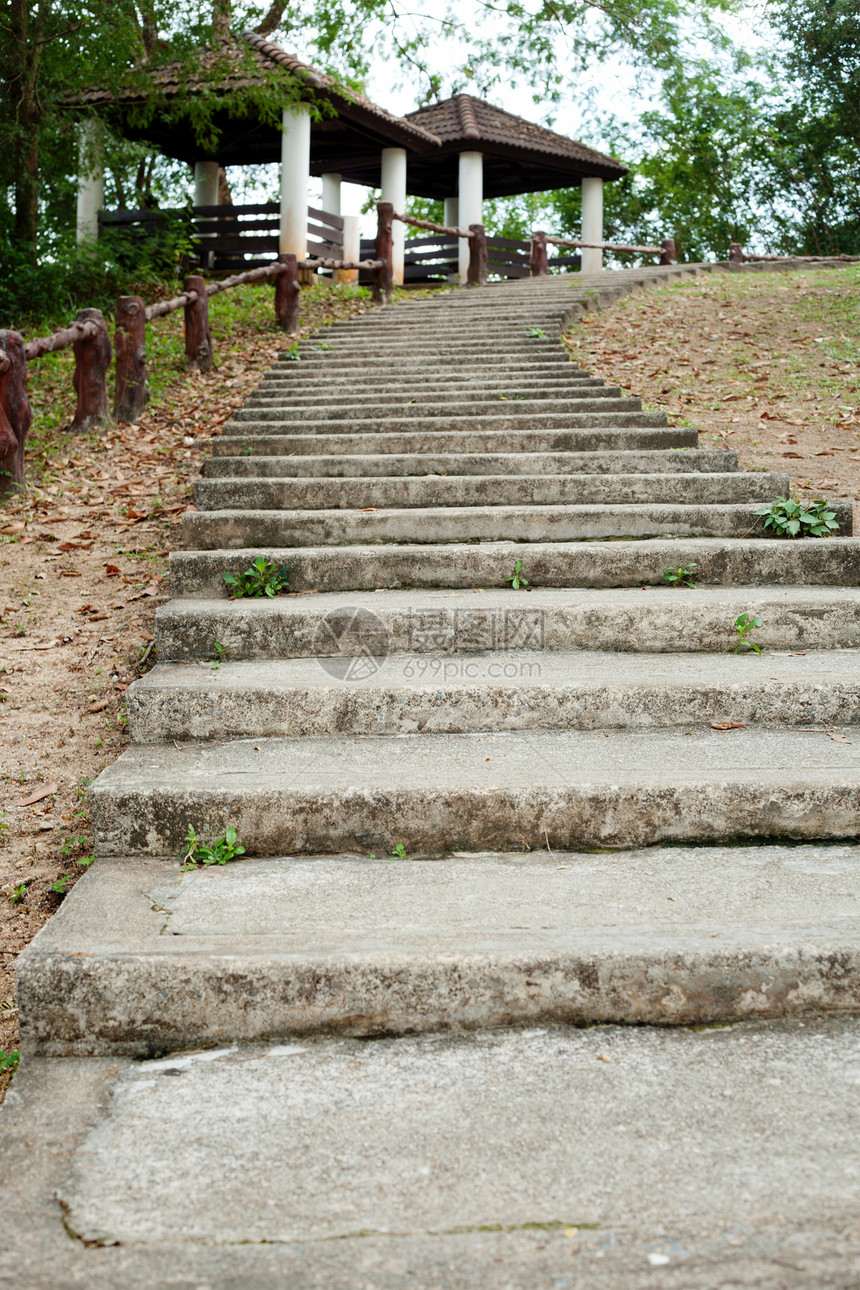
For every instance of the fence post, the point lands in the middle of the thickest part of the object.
(736, 253)
(92, 360)
(287, 291)
(131, 395)
(16, 415)
(477, 272)
(384, 277)
(667, 255)
(538, 263)
(198, 337)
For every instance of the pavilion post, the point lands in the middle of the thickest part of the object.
(287, 291)
(91, 180)
(16, 415)
(538, 263)
(477, 276)
(331, 183)
(92, 360)
(206, 194)
(394, 192)
(451, 219)
(592, 223)
(351, 248)
(667, 253)
(295, 173)
(470, 198)
(129, 342)
(384, 276)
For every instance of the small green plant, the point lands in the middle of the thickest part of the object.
(324, 344)
(791, 518)
(292, 353)
(261, 579)
(18, 894)
(398, 853)
(9, 1061)
(681, 577)
(218, 852)
(536, 333)
(218, 655)
(61, 886)
(516, 579)
(73, 844)
(85, 861)
(743, 625)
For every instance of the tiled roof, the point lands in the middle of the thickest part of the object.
(229, 66)
(464, 119)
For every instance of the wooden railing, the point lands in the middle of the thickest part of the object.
(737, 255)
(88, 336)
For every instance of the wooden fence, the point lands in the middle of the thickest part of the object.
(737, 255)
(223, 237)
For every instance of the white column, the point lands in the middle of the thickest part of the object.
(295, 173)
(351, 248)
(91, 180)
(470, 203)
(394, 191)
(206, 183)
(331, 192)
(592, 223)
(450, 217)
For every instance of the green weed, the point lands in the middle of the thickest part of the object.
(681, 577)
(261, 579)
(792, 518)
(516, 579)
(743, 625)
(19, 893)
(218, 852)
(536, 333)
(398, 853)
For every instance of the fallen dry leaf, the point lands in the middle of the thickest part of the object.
(728, 725)
(837, 737)
(98, 707)
(47, 790)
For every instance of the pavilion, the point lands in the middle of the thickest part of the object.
(462, 150)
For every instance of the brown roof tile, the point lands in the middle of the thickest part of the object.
(465, 119)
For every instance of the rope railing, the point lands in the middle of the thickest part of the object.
(442, 229)
(603, 246)
(737, 255)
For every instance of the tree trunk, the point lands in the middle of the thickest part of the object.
(26, 36)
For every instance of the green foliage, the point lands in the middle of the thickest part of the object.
(398, 852)
(516, 579)
(536, 333)
(743, 625)
(18, 893)
(61, 886)
(791, 518)
(261, 579)
(218, 852)
(682, 576)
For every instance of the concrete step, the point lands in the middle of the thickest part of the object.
(289, 408)
(463, 693)
(613, 414)
(406, 392)
(696, 489)
(438, 623)
(207, 530)
(528, 376)
(391, 351)
(490, 359)
(833, 563)
(269, 441)
(666, 461)
(350, 946)
(509, 791)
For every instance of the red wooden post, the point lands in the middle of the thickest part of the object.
(130, 346)
(92, 360)
(16, 415)
(538, 262)
(287, 291)
(667, 255)
(477, 272)
(198, 337)
(736, 253)
(383, 278)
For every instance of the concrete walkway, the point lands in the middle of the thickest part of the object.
(476, 818)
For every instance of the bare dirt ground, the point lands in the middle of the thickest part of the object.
(767, 363)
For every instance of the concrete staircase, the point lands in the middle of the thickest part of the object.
(464, 806)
